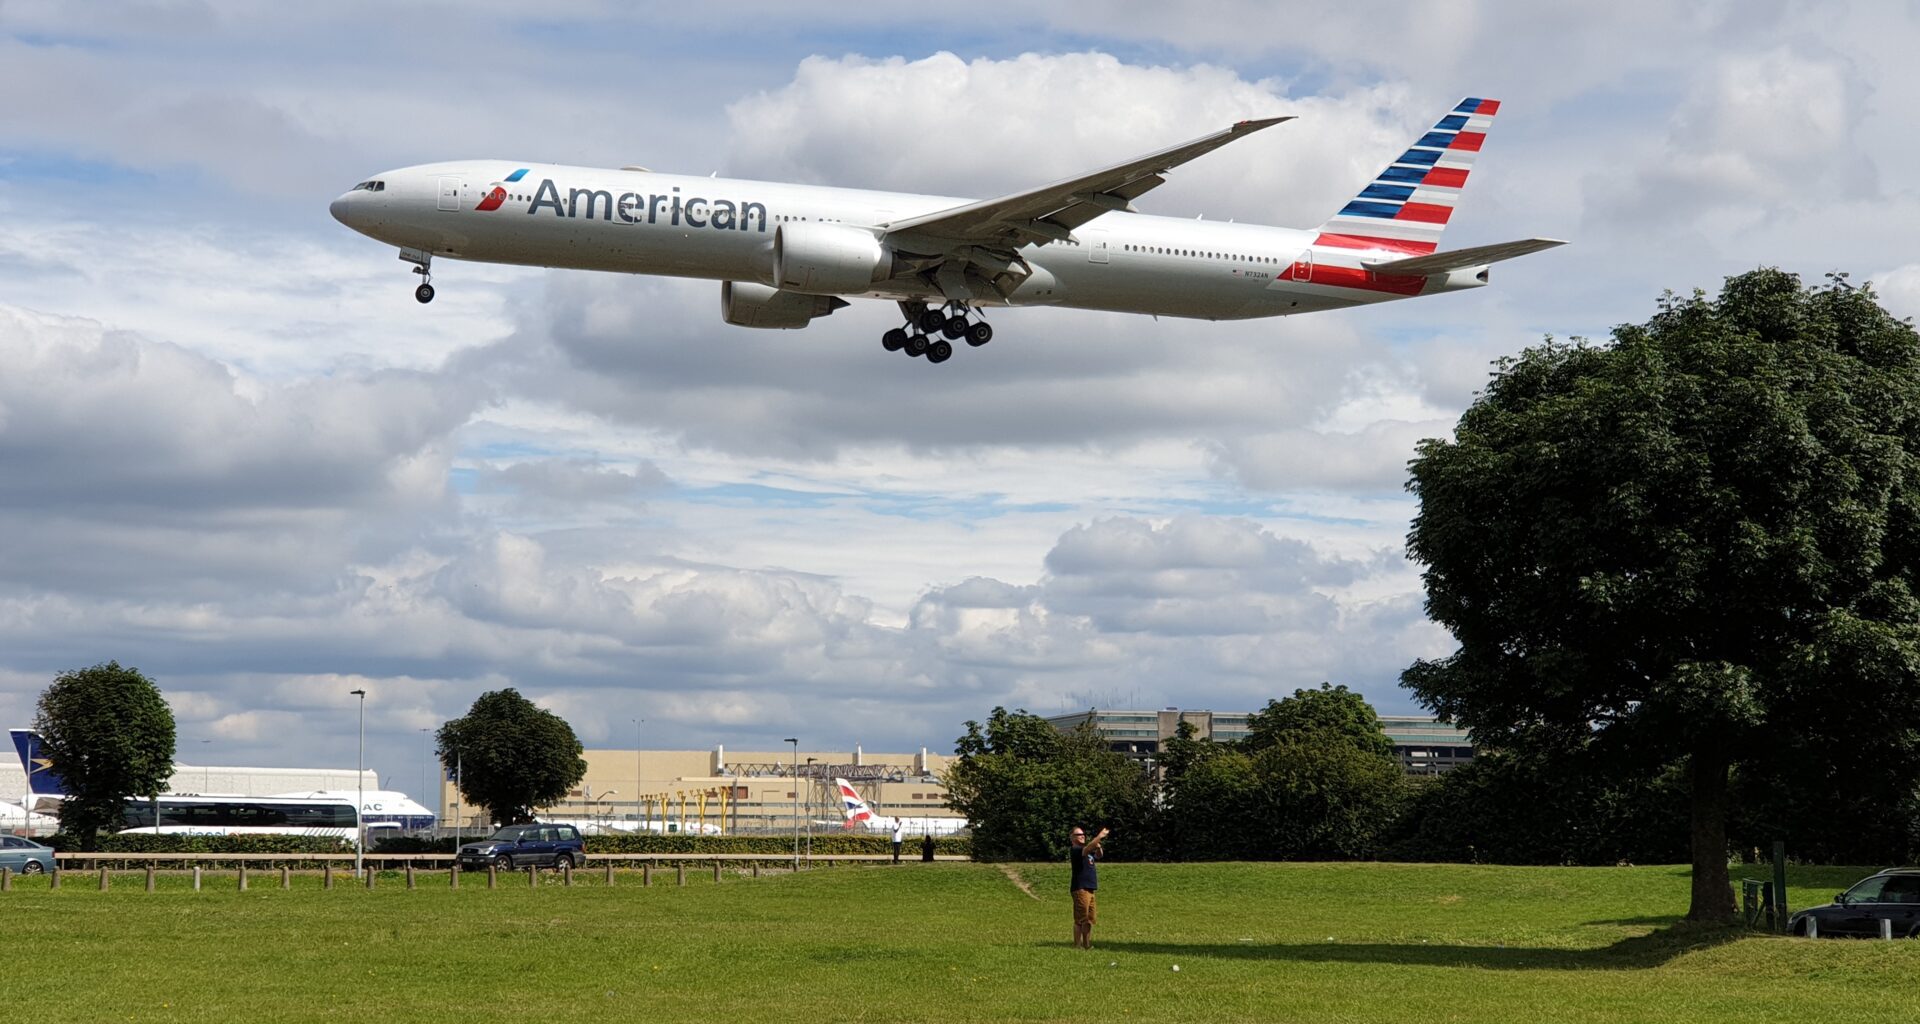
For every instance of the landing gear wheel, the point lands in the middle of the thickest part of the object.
(955, 327)
(894, 340)
(917, 345)
(932, 320)
(939, 351)
(979, 334)
(424, 293)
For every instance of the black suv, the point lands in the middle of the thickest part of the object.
(1892, 895)
(520, 846)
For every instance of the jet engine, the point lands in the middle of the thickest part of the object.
(747, 304)
(828, 259)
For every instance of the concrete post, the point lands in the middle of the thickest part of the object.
(533, 877)
(243, 878)
(646, 873)
(680, 872)
(609, 874)
(149, 878)
(53, 877)
(286, 877)
(370, 873)
(326, 875)
(196, 878)
(453, 877)
(409, 874)
(716, 872)
(103, 878)
(756, 869)
(493, 876)
(6, 879)
(1886, 928)
(566, 875)
(1813, 927)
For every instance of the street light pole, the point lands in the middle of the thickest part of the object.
(810, 795)
(638, 723)
(796, 799)
(360, 784)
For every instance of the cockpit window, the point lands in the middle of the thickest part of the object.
(369, 186)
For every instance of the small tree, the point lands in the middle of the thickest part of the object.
(513, 756)
(1335, 712)
(1022, 784)
(109, 735)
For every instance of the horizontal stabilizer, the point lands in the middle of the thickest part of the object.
(1462, 259)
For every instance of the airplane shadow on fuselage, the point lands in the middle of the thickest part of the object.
(1638, 953)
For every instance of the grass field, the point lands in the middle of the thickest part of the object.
(1404, 944)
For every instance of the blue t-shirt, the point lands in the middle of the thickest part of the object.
(1086, 873)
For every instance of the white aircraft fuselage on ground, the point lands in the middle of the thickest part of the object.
(788, 253)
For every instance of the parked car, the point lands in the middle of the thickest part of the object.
(519, 846)
(24, 856)
(1892, 895)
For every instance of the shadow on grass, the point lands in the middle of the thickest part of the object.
(1658, 920)
(1638, 953)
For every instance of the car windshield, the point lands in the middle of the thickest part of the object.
(508, 834)
(1869, 891)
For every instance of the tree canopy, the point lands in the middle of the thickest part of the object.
(1332, 712)
(1697, 540)
(109, 734)
(512, 756)
(1023, 784)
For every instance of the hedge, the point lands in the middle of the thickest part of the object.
(146, 842)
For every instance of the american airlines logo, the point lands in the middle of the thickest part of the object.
(670, 208)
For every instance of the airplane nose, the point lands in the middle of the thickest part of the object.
(339, 210)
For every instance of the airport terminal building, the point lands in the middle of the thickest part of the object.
(1424, 745)
(737, 791)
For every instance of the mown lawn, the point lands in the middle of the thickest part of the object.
(949, 942)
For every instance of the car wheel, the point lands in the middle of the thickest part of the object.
(32, 867)
(563, 862)
(506, 863)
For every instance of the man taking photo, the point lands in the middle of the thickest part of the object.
(1085, 856)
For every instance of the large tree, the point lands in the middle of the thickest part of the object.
(1689, 542)
(1333, 712)
(108, 735)
(512, 756)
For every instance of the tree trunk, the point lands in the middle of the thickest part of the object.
(1712, 891)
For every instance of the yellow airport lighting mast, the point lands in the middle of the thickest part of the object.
(796, 800)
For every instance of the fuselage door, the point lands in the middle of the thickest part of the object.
(1303, 266)
(1096, 248)
(449, 193)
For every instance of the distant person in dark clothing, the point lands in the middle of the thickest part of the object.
(926, 848)
(1085, 855)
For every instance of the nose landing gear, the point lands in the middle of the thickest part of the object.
(917, 337)
(422, 265)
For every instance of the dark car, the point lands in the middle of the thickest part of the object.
(520, 846)
(1892, 895)
(24, 856)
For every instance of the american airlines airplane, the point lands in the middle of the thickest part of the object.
(787, 254)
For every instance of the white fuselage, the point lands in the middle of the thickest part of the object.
(642, 222)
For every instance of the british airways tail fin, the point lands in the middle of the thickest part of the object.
(855, 808)
(42, 780)
(1405, 208)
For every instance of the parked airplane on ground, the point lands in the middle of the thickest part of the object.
(861, 816)
(787, 254)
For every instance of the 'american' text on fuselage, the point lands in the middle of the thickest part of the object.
(638, 208)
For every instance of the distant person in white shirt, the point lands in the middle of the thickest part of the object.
(899, 835)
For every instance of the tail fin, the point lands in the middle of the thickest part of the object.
(857, 811)
(1406, 207)
(42, 780)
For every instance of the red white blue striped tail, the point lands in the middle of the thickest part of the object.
(1406, 207)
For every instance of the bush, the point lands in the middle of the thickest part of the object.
(146, 842)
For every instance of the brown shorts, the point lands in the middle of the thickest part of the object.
(1084, 911)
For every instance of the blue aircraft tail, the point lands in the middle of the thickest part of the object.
(42, 780)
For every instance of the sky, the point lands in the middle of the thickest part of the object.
(236, 454)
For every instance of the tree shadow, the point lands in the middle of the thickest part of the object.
(1638, 953)
(1657, 920)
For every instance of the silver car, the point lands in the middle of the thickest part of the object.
(24, 856)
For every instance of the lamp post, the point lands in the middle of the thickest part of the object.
(638, 775)
(811, 779)
(796, 799)
(360, 784)
(206, 773)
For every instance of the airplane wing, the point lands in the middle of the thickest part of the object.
(1462, 259)
(1051, 212)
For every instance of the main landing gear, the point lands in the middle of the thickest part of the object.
(931, 332)
(422, 265)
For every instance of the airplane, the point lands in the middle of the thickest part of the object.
(859, 815)
(788, 254)
(379, 808)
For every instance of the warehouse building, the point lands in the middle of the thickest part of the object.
(1424, 745)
